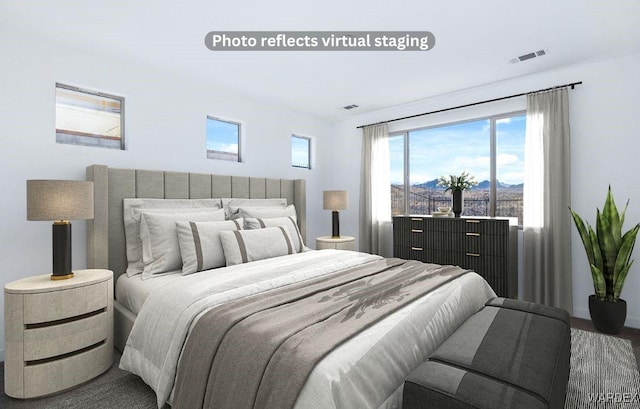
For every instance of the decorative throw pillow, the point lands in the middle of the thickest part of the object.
(231, 206)
(160, 246)
(288, 222)
(200, 244)
(269, 213)
(243, 246)
(133, 209)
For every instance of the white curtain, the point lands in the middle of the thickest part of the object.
(547, 196)
(376, 235)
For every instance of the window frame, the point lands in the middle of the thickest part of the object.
(97, 94)
(309, 140)
(492, 154)
(228, 121)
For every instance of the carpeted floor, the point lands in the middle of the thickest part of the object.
(119, 389)
(632, 334)
(604, 373)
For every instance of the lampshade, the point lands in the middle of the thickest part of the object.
(59, 200)
(335, 199)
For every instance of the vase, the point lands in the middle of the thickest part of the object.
(607, 316)
(458, 202)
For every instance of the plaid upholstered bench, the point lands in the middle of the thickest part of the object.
(510, 354)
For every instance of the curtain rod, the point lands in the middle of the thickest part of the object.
(572, 85)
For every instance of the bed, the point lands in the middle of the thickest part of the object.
(156, 320)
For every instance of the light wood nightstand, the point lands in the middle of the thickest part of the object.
(340, 243)
(58, 334)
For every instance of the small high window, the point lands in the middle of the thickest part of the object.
(223, 139)
(300, 152)
(89, 118)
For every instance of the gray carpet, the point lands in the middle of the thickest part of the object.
(128, 392)
(604, 375)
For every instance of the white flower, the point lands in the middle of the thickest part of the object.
(463, 182)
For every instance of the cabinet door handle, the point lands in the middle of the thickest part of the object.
(473, 254)
(416, 248)
(416, 231)
(472, 221)
(473, 234)
(416, 219)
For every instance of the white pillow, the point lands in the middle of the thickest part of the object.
(133, 208)
(287, 222)
(231, 205)
(200, 245)
(243, 246)
(269, 213)
(160, 246)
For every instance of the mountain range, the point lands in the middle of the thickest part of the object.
(485, 184)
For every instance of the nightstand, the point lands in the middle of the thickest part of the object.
(59, 333)
(339, 243)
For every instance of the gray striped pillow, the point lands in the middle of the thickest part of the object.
(243, 246)
(288, 222)
(200, 244)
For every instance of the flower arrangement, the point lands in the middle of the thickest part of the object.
(457, 183)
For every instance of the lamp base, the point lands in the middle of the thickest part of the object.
(61, 277)
(335, 228)
(61, 250)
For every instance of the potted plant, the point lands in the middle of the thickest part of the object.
(609, 253)
(457, 185)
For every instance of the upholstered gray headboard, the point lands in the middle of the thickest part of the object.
(106, 247)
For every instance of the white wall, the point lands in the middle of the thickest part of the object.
(605, 149)
(165, 129)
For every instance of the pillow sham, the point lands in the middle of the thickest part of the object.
(287, 222)
(231, 205)
(269, 213)
(243, 246)
(133, 208)
(200, 245)
(160, 246)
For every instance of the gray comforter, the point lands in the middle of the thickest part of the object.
(257, 352)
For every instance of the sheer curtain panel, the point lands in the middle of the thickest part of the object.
(547, 196)
(376, 235)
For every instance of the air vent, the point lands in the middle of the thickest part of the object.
(348, 107)
(528, 56)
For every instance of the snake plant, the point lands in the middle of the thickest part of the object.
(608, 250)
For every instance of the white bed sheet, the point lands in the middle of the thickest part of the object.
(133, 291)
(366, 371)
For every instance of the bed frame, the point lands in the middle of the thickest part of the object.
(106, 247)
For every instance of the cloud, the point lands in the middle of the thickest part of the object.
(224, 147)
(511, 178)
(505, 159)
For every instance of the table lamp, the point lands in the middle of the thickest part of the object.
(60, 201)
(335, 200)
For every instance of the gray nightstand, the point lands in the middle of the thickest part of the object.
(340, 243)
(58, 334)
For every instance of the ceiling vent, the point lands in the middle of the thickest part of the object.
(529, 56)
(348, 107)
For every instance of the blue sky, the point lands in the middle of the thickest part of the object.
(222, 136)
(455, 148)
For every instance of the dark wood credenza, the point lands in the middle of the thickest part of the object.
(485, 245)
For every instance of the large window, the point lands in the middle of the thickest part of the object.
(300, 152)
(491, 149)
(223, 139)
(89, 118)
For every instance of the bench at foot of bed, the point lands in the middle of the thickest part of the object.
(510, 354)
